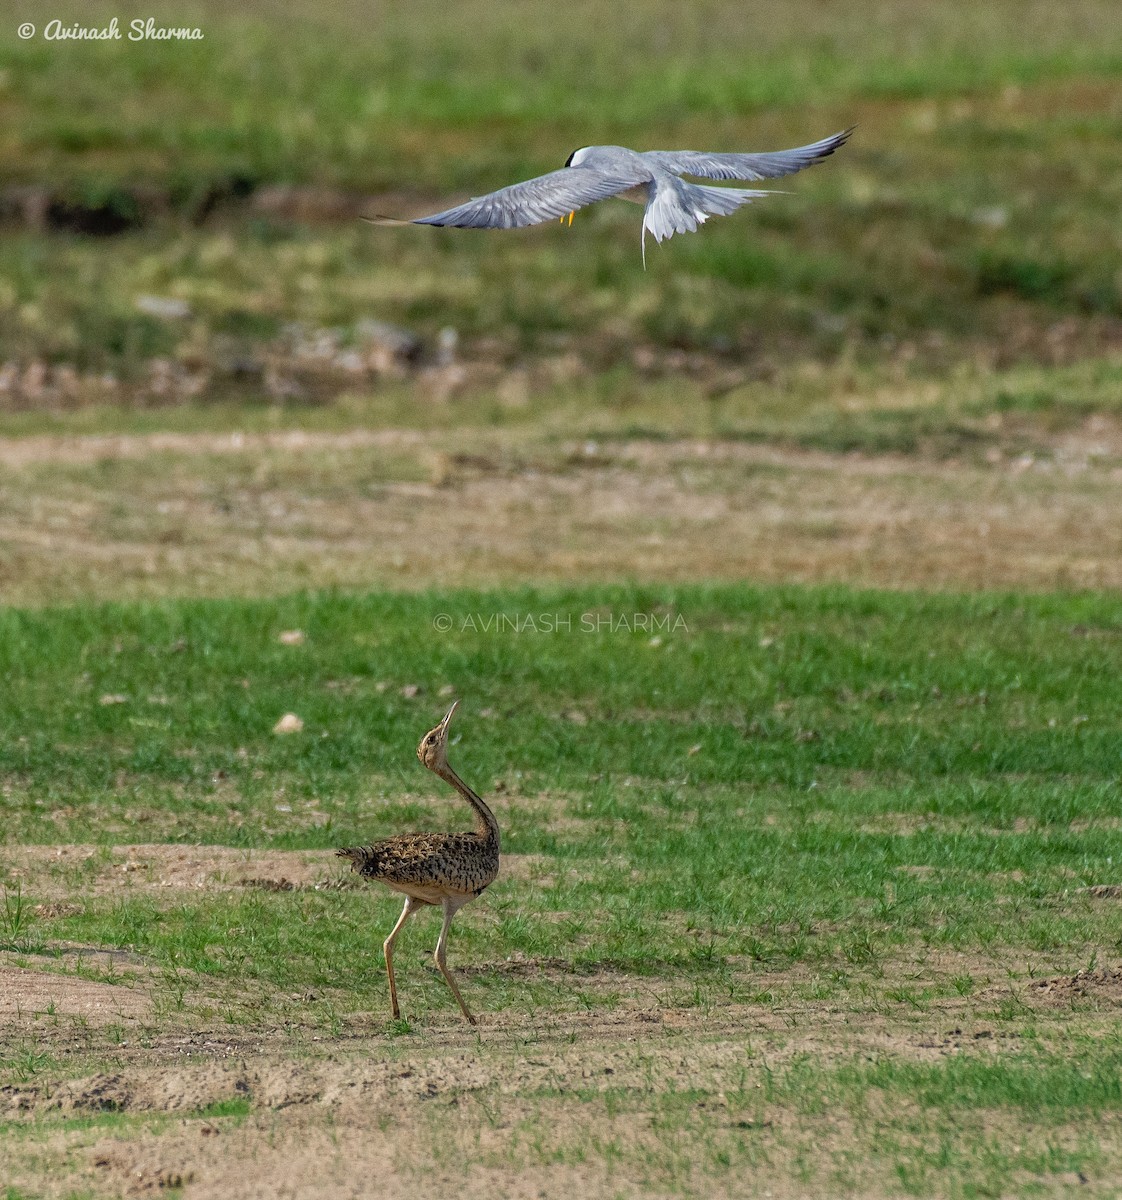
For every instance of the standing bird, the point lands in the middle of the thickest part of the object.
(650, 177)
(449, 869)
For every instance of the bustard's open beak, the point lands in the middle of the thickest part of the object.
(448, 716)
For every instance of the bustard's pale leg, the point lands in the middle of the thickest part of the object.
(387, 948)
(452, 905)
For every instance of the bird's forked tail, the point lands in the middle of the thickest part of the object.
(676, 206)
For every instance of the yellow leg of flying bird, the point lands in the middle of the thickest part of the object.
(571, 215)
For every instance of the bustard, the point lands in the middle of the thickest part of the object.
(449, 869)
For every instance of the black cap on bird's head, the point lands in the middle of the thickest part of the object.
(434, 744)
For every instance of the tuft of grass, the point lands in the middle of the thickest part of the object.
(1037, 1084)
(235, 1106)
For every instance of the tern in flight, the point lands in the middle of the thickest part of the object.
(649, 177)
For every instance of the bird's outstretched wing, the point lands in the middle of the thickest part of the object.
(746, 166)
(542, 199)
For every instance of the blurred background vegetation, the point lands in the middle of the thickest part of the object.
(182, 217)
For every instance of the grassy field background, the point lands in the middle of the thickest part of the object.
(811, 867)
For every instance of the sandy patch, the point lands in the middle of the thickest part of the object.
(70, 872)
(508, 1054)
(207, 515)
(457, 1110)
(33, 996)
(83, 450)
(291, 1156)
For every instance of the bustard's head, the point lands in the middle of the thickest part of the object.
(434, 745)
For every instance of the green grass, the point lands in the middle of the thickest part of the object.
(1089, 1081)
(820, 777)
(340, 97)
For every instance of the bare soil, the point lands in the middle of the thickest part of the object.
(237, 514)
(370, 1116)
(132, 1101)
(28, 993)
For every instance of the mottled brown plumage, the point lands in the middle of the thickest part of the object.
(449, 869)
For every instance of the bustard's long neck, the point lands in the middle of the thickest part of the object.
(485, 823)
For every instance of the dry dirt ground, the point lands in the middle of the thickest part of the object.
(251, 513)
(131, 1097)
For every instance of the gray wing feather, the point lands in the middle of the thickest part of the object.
(542, 199)
(746, 166)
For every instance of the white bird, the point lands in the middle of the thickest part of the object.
(650, 177)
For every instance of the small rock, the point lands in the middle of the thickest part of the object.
(440, 469)
(351, 361)
(281, 386)
(447, 342)
(441, 384)
(34, 379)
(291, 637)
(397, 342)
(513, 390)
(410, 690)
(167, 308)
(289, 723)
(113, 698)
(991, 218)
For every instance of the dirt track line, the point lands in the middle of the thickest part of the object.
(87, 449)
(83, 449)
